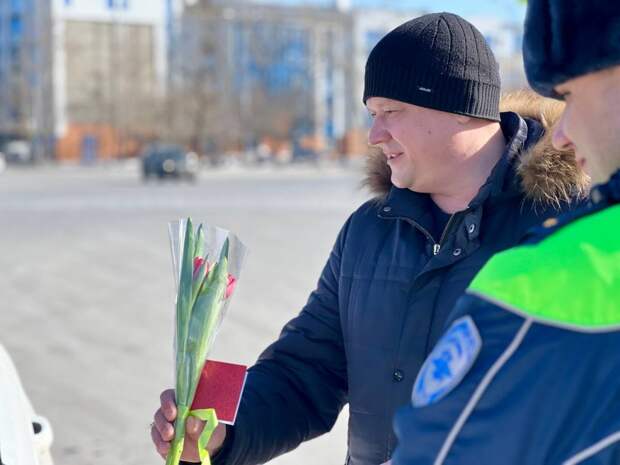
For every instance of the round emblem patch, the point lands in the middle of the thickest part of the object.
(448, 363)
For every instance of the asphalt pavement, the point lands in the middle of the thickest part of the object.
(87, 286)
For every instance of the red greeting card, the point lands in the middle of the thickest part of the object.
(220, 387)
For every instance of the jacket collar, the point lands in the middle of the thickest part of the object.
(601, 197)
(608, 193)
(502, 181)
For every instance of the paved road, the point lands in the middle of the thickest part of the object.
(87, 289)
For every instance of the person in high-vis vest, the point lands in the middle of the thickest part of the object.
(528, 369)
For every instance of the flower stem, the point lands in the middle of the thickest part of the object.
(176, 447)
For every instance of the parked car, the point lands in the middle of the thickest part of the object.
(26, 437)
(169, 161)
(18, 151)
(2, 162)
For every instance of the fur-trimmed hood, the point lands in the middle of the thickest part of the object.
(547, 176)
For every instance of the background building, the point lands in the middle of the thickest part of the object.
(243, 73)
(109, 75)
(247, 75)
(26, 93)
(93, 79)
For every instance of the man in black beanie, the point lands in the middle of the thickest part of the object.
(455, 181)
(527, 371)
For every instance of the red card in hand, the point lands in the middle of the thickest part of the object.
(220, 387)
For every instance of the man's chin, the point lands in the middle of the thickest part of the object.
(411, 186)
(400, 183)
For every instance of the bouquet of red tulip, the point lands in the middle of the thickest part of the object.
(206, 265)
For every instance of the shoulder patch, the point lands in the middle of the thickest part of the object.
(448, 363)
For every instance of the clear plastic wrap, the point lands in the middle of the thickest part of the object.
(206, 263)
(214, 239)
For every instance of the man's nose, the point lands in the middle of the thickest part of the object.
(378, 134)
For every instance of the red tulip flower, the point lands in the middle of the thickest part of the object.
(230, 286)
(198, 261)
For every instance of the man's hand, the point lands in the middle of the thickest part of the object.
(162, 431)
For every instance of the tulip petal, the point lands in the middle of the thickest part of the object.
(230, 286)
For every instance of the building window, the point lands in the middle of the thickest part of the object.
(16, 28)
(118, 4)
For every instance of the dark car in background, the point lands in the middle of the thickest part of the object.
(18, 152)
(161, 161)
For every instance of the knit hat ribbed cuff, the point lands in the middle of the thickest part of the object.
(453, 95)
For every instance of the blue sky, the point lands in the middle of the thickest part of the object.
(509, 10)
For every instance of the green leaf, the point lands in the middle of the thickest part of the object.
(199, 248)
(184, 309)
(224, 252)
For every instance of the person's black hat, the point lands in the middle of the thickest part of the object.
(565, 39)
(436, 61)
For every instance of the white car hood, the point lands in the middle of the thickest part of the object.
(18, 443)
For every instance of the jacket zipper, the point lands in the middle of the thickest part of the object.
(428, 235)
(437, 247)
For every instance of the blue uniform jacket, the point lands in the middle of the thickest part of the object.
(528, 370)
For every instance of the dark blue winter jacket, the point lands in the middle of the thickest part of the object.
(528, 369)
(382, 301)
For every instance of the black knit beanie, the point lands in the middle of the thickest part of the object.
(564, 39)
(436, 61)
